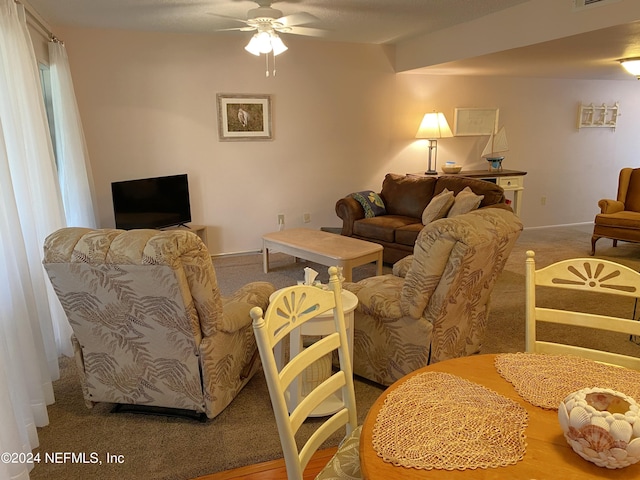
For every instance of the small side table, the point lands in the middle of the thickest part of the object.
(319, 326)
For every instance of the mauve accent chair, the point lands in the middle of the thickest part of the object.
(150, 327)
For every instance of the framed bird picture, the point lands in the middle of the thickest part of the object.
(244, 117)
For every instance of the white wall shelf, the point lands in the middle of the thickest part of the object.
(598, 116)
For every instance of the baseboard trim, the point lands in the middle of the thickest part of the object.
(259, 252)
(236, 254)
(580, 224)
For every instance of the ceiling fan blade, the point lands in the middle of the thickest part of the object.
(309, 32)
(227, 17)
(297, 19)
(237, 29)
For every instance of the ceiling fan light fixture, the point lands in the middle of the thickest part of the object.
(265, 42)
(632, 65)
(253, 47)
(277, 44)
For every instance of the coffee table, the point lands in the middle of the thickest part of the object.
(324, 248)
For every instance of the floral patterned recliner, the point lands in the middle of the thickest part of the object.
(435, 305)
(149, 324)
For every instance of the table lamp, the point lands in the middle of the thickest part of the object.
(433, 126)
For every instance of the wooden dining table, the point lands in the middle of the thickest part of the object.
(548, 456)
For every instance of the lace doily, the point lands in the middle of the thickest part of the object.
(437, 420)
(545, 380)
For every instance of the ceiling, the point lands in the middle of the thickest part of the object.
(591, 55)
(363, 21)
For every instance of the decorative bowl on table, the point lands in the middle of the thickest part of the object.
(451, 168)
(602, 426)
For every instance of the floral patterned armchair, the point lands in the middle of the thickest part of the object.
(435, 305)
(149, 324)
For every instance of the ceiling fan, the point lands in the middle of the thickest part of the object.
(265, 17)
(268, 22)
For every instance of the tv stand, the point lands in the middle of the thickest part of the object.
(200, 230)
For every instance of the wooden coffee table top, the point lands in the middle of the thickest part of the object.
(324, 243)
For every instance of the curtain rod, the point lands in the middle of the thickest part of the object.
(36, 21)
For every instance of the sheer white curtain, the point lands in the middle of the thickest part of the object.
(74, 169)
(33, 328)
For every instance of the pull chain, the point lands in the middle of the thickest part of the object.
(266, 58)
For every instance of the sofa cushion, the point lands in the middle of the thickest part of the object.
(407, 195)
(381, 228)
(371, 203)
(438, 207)
(408, 235)
(492, 193)
(464, 202)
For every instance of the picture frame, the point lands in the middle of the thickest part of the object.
(475, 121)
(244, 117)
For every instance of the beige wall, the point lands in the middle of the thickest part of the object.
(342, 119)
(148, 104)
(572, 168)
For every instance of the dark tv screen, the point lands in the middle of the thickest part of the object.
(151, 202)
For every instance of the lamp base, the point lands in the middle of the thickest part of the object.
(430, 172)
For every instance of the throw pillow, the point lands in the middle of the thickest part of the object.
(438, 207)
(465, 202)
(371, 203)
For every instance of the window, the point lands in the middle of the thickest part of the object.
(45, 84)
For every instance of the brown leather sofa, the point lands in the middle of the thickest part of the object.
(405, 198)
(620, 219)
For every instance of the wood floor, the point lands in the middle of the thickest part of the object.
(273, 470)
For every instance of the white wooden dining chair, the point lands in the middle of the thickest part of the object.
(587, 275)
(289, 309)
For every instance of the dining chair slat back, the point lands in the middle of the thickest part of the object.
(289, 309)
(588, 275)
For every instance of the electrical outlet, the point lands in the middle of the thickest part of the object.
(543, 201)
(281, 219)
(306, 217)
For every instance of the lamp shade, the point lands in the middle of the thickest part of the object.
(434, 125)
(632, 65)
(277, 44)
(253, 47)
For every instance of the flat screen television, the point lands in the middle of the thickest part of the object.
(151, 202)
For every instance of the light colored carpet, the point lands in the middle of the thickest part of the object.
(245, 433)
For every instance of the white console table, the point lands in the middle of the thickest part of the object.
(509, 180)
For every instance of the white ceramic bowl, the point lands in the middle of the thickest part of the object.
(451, 168)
